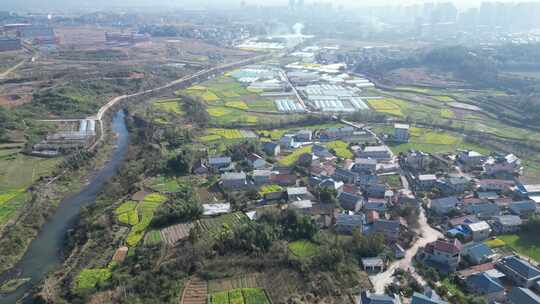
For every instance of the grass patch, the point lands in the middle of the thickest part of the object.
(393, 180)
(303, 249)
(495, 243)
(90, 278)
(20, 171)
(226, 133)
(292, 158)
(10, 202)
(164, 185)
(525, 243)
(340, 148)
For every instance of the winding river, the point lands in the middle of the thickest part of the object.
(43, 255)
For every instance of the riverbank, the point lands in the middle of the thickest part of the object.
(52, 220)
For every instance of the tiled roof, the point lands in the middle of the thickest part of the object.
(520, 266)
(484, 283)
(450, 246)
(520, 295)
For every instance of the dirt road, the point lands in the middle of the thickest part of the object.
(12, 69)
(427, 235)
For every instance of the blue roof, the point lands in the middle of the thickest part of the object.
(522, 206)
(484, 283)
(419, 298)
(479, 251)
(520, 295)
(483, 208)
(520, 266)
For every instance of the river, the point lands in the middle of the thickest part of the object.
(44, 253)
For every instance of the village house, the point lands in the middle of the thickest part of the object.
(261, 177)
(336, 133)
(200, 167)
(444, 206)
(345, 176)
(485, 285)
(401, 133)
(283, 179)
(380, 153)
(375, 204)
(220, 163)
(453, 185)
(503, 224)
(347, 223)
(519, 271)
(523, 209)
(425, 182)
(520, 295)
(301, 205)
(483, 209)
(417, 160)
(350, 201)
(389, 228)
(287, 141)
(502, 167)
(297, 194)
(443, 254)
(271, 149)
(303, 136)
(529, 191)
(477, 253)
(373, 265)
(330, 183)
(470, 158)
(255, 161)
(375, 190)
(495, 185)
(478, 231)
(233, 180)
(364, 165)
(322, 152)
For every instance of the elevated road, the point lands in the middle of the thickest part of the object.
(174, 85)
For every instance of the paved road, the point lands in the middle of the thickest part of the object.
(427, 235)
(103, 110)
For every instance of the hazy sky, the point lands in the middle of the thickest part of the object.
(10, 4)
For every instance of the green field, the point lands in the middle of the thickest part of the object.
(341, 148)
(146, 211)
(239, 296)
(303, 249)
(127, 213)
(432, 141)
(153, 237)
(525, 243)
(21, 171)
(17, 173)
(90, 278)
(168, 106)
(164, 184)
(292, 158)
(211, 228)
(390, 106)
(495, 243)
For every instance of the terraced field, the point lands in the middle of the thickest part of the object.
(145, 212)
(175, 233)
(211, 228)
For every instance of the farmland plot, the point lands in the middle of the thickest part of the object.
(175, 233)
(240, 296)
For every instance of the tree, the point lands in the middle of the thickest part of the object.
(182, 163)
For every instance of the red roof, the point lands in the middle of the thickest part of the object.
(372, 216)
(449, 246)
(352, 189)
(283, 179)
